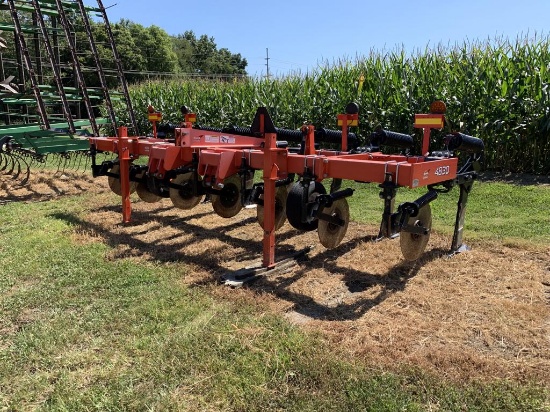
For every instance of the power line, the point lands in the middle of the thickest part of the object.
(267, 61)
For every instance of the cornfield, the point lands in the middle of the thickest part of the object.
(497, 90)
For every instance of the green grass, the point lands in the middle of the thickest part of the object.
(81, 332)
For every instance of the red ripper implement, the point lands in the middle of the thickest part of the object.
(220, 163)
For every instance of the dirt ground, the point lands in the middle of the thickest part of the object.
(484, 314)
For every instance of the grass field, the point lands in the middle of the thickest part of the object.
(82, 329)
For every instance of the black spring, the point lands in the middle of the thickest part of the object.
(389, 138)
(463, 142)
(333, 136)
(289, 135)
(238, 130)
(209, 129)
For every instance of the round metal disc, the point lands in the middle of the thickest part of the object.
(114, 182)
(281, 194)
(295, 202)
(413, 244)
(228, 202)
(330, 234)
(183, 198)
(146, 195)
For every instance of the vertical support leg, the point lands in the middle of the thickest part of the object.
(389, 190)
(335, 185)
(344, 146)
(270, 177)
(426, 141)
(457, 246)
(309, 132)
(124, 164)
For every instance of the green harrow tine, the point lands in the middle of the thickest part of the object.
(20, 160)
(3, 161)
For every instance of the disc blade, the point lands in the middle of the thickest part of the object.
(413, 244)
(114, 182)
(330, 234)
(183, 198)
(281, 194)
(228, 202)
(297, 200)
(146, 195)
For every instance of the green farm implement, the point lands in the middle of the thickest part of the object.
(46, 108)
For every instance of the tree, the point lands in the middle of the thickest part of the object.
(142, 51)
(155, 46)
(201, 55)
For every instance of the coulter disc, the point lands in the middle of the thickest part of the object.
(114, 182)
(228, 202)
(281, 194)
(295, 201)
(330, 234)
(146, 195)
(183, 198)
(413, 244)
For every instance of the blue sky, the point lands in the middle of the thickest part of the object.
(302, 34)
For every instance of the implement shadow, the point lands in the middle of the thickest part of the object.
(13, 191)
(172, 248)
(356, 281)
(168, 247)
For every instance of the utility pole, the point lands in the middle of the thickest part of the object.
(267, 61)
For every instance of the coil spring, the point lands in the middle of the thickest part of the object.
(332, 136)
(321, 135)
(238, 130)
(209, 129)
(389, 138)
(460, 141)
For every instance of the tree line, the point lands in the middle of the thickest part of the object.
(144, 51)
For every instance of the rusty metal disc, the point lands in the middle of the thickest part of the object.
(281, 194)
(114, 182)
(183, 198)
(331, 234)
(146, 195)
(413, 244)
(228, 202)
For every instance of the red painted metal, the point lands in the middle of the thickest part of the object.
(154, 117)
(124, 164)
(270, 171)
(427, 122)
(346, 120)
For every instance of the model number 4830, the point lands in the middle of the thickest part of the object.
(442, 170)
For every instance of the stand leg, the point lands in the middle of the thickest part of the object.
(124, 162)
(457, 246)
(389, 190)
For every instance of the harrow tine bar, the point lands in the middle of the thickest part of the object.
(17, 166)
(4, 161)
(88, 156)
(82, 156)
(12, 164)
(21, 159)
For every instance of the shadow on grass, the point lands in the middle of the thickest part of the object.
(171, 247)
(518, 179)
(13, 190)
(356, 281)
